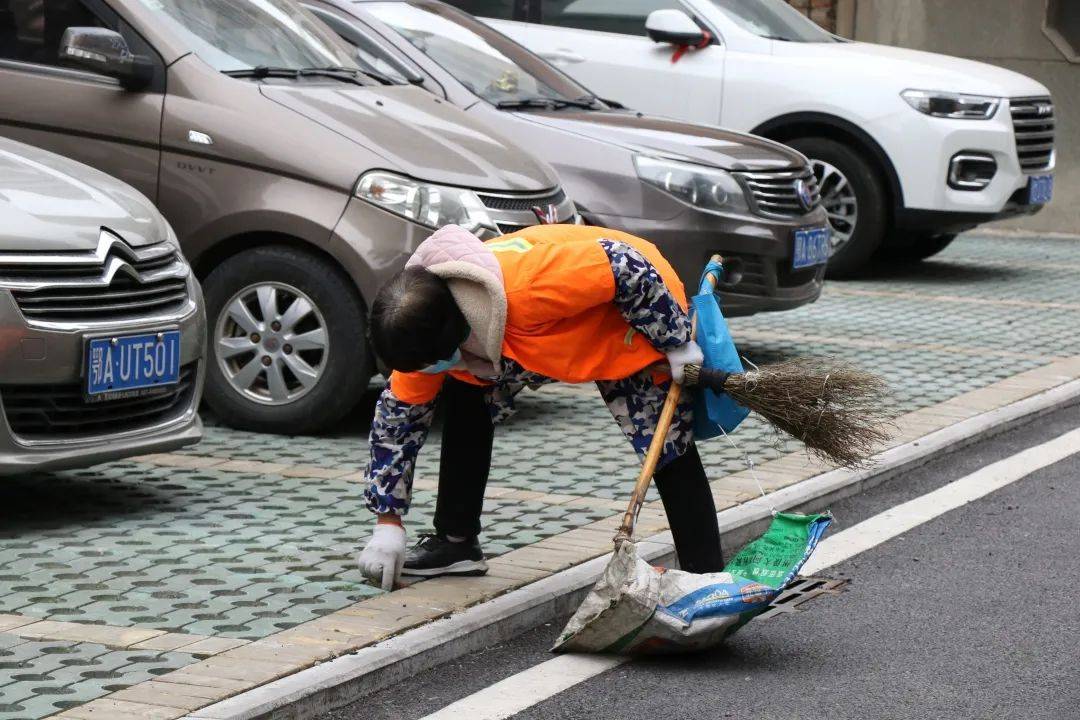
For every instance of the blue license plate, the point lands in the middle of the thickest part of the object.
(131, 364)
(1040, 189)
(812, 247)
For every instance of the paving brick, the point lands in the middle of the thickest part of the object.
(159, 694)
(10, 622)
(313, 472)
(277, 650)
(106, 709)
(78, 632)
(168, 641)
(252, 672)
(213, 645)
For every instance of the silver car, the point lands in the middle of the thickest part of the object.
(102, 327)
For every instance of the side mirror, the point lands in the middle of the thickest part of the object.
(105, 52)
(674, 27)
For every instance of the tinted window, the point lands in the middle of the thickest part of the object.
(243, 34)
(369, 53)
(773, 19)
(487, 63)
(626, 17)
(30, 30)
(500, 9)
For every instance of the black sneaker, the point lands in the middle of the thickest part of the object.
(435, 555)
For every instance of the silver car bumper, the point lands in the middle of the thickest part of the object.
(41, 378)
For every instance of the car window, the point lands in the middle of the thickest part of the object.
(626, 17)
(369, 53)
(498, 9)
(486, 62)
(773, 19)
(244, 34)
(30, 30)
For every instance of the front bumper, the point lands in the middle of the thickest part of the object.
(757, 248)
(921, 149)
(46, 360)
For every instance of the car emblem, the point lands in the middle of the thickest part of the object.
(1044, 109)
(547, 215)
(806, 197)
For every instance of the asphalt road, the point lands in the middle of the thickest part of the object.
(971, 615)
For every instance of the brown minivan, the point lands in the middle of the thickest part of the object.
(295, 179)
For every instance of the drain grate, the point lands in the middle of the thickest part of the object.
(801, 591)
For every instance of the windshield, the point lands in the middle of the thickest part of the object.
(243, 34)
(488, 64)
(773, 19)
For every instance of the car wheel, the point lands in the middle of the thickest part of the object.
(854, 198)
(921, 247)
(287, 351)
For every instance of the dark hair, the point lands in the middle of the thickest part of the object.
(415, 321)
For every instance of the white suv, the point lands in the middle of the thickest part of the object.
(909, 147)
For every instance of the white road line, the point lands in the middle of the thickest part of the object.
(540, 682)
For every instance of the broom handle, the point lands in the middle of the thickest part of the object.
(652, 457)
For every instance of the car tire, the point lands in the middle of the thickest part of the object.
(314, 360)
(921, 247)
(855, 198)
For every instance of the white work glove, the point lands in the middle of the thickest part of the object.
(680, 357)
(382, 558)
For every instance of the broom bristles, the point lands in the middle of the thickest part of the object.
(838, 411)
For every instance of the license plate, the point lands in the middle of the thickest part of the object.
(130, 365)
(812, 247)
(1040, 189)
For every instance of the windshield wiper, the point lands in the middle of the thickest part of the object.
(335, 71)
(380, 77)
(533, 102)
(264, 71)
(585, 101)
(781, 38)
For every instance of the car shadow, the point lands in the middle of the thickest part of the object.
(48, 501)
(937, 272)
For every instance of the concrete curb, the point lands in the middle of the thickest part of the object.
(345, 679)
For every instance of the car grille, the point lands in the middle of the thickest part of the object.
(776, 194)
(1033, 125)
(115, 283)
(522, 202)
(61, 412)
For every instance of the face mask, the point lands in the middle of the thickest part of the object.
(443, 365)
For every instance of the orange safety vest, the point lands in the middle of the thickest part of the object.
(560, 321)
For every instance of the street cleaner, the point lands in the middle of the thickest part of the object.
(469, 324)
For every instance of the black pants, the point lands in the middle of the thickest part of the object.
(465, 462)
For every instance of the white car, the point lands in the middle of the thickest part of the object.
(909, 147)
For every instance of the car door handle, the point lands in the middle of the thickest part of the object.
(563, 55)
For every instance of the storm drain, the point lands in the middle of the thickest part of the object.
(802, 591)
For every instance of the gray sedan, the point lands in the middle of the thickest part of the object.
(102, 327)
(694, 190)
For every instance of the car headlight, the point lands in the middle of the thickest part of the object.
(425, 203)
(952, 105)
(709, 189)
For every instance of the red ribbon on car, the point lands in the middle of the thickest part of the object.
(681, 50)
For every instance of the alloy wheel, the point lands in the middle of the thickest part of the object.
(838, 198)
(271, 343)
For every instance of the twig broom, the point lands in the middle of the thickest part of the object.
(836, 410)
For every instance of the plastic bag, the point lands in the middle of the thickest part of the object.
(714, 413)
(636, 608)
